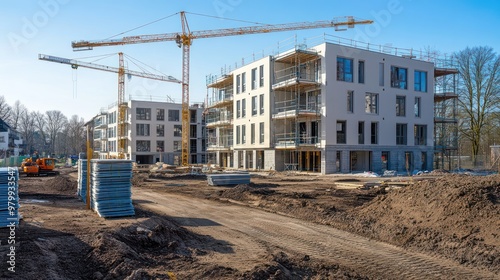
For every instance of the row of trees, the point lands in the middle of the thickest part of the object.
(49, 133)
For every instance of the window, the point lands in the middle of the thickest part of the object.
(143, 146)
(371, 103)
(243, 82)
(399, 77)
(261, 75)
(385, 160)
(177, 130)
(401, 132)
(143, 114)
(192, 116)
(261, 103)
(238, 108)
(344, 69)
(420, 81)
(417, 107)
(381, 74)
(173, 115)
(160, 146)
(350, 101)
(361, 132)
(261, 137)
(193, 148)
(361, 72)
(177, 146)
(237, 134)
(193, 131)
(420, 135)
(2, 139)
(142, 129)
(341, 139)
(238, 83)
(254, 78)
(243, 134)
(374, 133)
(243, 108)
(160, 114)
(400, 106)
(160, 130)
(112, 118)
(252, 133)
(254, 105)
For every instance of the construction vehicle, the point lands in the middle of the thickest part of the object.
(34, 166)
(184, 39)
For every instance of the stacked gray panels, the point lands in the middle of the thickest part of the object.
(82, 179)
(228, 179)
(9, 196)
(112, 187)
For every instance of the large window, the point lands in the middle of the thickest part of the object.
(261, 127)
(261, 75)
(371, 103)
(243, 134)
(243, 82)
(374, 133)
(401, 134)
(350, 101)
(160, 114)
(238, 109)
(143, 146)
(417, 107)
(361, 132)
(238, 134)
(243, 108)
(420, 81)
(344, 69)
(400, 106)
(238, 83)
(173, 115)
(252, 133)
(261, 103)
(254, 105)
(361, 72)
(160, 130)
(177, 146)
(143, 114)
(193, 131)
(142, 129)
(160, 146)
(177, 130)
(399, 77)
(341, 132)
(420, 135)
(254, 78)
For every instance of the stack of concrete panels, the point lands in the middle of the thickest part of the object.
(82, 179)
(226, 179)
(112, 187)
(9, 196)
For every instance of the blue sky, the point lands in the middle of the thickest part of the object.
(28, 28)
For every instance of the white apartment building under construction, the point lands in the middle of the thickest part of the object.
(330, 108)
(153, 133)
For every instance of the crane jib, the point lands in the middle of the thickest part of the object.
(55, 59)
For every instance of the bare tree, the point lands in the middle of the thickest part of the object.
(15, 116)
(41, 136)
(27, 128)
(5, 109)
(479, 91)
(76, 134)
(56, 121)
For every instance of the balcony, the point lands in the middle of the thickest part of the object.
(222, 119)
(290, 109)
(291, 77)
(292, 141)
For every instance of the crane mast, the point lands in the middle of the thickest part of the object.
(185, 38)
(122, 106)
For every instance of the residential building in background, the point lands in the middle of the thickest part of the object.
(11, 143)
(329, 108)
(154, 132)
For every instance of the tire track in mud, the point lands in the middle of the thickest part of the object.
(254, 233)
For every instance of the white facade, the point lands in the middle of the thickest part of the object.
(333, 108)
(10, 141)
(153, 133)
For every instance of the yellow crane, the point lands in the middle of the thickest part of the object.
(184, 39)
(121, 70)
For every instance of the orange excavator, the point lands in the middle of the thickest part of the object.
(35, 166)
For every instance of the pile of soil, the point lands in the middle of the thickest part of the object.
(456, 216)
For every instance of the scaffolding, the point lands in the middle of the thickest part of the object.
(445, 115)
(297, 104)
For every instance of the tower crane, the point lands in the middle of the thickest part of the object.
(185, 38)
(121, 70)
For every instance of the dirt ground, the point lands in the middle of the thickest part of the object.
(451, 217)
